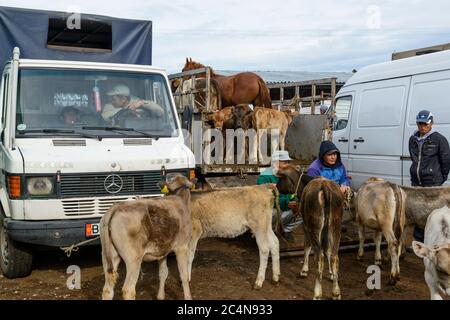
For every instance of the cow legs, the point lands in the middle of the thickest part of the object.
(263, 246)
(133, 270)
(336, 293)
(307, 251)
(330, 269)
(110, 275)
(318, 285)
(377, 238)
(275, 255)
(163, 273)
(195, 236)
(393, 252)
(182, 255)
(431, 282)
(362, 237)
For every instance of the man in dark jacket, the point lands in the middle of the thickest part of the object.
(430, 155)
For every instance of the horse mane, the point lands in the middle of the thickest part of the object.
(192, 65)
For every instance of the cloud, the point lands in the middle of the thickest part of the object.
(268, 35)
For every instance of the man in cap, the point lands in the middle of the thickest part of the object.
(288, 202)
(121, 99)
(329, 165)
(430, 155)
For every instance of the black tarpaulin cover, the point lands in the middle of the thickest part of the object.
(46, 35)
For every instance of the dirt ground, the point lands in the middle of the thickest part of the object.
(223, 269)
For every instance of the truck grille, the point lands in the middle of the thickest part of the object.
(86, 207)
(94, 185)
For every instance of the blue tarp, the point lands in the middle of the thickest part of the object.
(131, 40)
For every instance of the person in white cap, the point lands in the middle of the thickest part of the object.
(288, 202)
(121, 99)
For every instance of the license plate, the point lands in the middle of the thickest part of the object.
(92, 229)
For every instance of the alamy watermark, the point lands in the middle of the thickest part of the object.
(74, 20)
(74, 280)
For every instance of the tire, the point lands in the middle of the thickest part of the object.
(15, 259)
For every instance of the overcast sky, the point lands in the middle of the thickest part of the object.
(273, 35)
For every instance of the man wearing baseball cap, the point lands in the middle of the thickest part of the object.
(430, 155)
(121, 99)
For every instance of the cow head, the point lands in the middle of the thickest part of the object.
(439, 256)
(288, 178)
(174, 184)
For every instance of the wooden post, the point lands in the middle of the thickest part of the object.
(297, 98)
(208, 89)
(333, 93)
(313, 95)
(281, 97)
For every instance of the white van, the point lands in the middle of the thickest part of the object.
(376, 114)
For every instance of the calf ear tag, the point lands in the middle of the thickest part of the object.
(165, 190)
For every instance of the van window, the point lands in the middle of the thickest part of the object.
(431, 95)
(380, 107)
(342, 112)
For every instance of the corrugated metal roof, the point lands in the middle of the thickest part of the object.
(293, 76)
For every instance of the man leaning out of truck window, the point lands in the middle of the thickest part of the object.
(121, 98)
(329, 165)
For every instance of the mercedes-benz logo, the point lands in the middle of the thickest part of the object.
(113, 183)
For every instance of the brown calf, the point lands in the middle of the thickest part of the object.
(268, 119)
(147, 230)
(321, 205)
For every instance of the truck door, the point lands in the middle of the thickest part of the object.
(341, 126)
(376, 136)
(428, 91)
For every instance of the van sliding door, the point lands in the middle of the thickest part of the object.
(376, 136)
(428, 91)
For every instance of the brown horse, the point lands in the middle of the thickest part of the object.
(241, 88)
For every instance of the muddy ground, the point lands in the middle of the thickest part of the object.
(223, 269)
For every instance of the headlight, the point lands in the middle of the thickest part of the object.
(40, 186)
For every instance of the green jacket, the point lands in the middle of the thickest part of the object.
(267, 176)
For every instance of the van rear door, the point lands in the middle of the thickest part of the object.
(428, 91)
(376, 137)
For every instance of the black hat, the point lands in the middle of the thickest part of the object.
(424, 116)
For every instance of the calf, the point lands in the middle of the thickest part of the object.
(436, 252)
(420, 202)
(321, 205)
(380, 205)
(229, 212)
(147, 230)
(268, 119)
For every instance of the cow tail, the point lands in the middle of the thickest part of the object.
(326, 223)
(264, 96)
(105, 238)
(279, 228)
(398, 211)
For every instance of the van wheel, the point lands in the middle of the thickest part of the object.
(15, 260)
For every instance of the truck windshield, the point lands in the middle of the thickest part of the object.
(89, 101)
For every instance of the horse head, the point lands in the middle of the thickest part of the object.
(191, 65)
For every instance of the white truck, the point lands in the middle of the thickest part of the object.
(68, 151)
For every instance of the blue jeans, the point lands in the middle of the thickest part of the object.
(419, 234)
(287, 218)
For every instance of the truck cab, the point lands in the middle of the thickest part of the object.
(75, 138)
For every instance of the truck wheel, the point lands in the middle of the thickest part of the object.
(15, 260)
